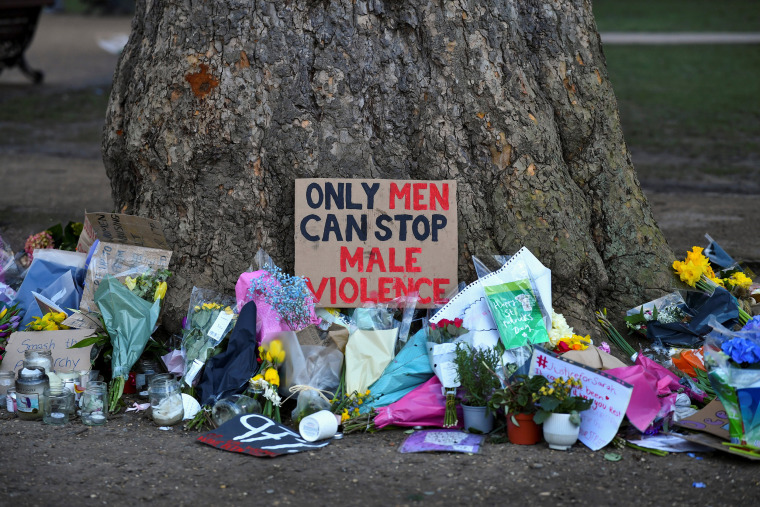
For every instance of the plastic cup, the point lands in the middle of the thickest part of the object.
(318, 426)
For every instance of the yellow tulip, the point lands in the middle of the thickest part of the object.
(272, 376)
(275, 351)
(160, 291)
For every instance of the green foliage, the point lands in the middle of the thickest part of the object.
(557, 398)
(517, 396)
(66, 238)
(476, 369)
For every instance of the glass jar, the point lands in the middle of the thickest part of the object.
(94, 403)
(166, 401)
(69, 380)
(233, 406)
(43, 358)
(56, 406)
(10, 400)
(7, 380)
(30, 387)
(145, 369)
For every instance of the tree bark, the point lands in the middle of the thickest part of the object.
(217, 106)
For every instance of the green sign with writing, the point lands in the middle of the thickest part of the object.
(516, 312)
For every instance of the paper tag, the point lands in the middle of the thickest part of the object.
(195, 367)
(216, 332)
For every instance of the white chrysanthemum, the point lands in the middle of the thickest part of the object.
(560, 329)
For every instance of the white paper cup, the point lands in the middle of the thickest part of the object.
(318, 426)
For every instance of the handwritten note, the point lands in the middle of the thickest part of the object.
(57, 342)
(611, 396)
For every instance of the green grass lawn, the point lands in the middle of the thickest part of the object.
(677, 15)
(695, 107)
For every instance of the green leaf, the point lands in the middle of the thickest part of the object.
(93, 340)
(541, 416)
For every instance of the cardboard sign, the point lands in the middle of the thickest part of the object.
(600, 423)
(119, 261)
(711, 419)
(121, 229)
(57, 342)
(258, 436)
(361, 241)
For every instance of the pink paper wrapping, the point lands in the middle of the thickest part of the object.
(268, 323)
(650, 381)
(423, 406)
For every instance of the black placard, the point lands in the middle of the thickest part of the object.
(258, 436)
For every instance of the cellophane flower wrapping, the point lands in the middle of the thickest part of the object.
(210, 317)
(732, 360)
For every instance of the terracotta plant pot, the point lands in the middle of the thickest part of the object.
(527, 433)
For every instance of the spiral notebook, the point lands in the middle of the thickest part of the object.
(471, 306)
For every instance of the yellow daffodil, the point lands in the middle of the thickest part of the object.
(367, 392)
(738, 279)
(228, 310)
(2, 314)
(58, 317)
(160, 291)
(130, 282)
(258, 377)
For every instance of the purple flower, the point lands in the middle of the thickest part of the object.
(604, 347)
(742, 350)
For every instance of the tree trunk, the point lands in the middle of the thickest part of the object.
(218, 105)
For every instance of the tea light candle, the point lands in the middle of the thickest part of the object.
(57, 415)
(97, 418)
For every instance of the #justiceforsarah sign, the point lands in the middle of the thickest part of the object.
(599, 424)
(360, 241)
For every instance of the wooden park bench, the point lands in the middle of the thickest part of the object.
(18, 20)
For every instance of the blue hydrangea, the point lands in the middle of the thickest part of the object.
(742, 350)
(753, 326)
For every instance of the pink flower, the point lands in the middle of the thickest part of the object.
(604, 347)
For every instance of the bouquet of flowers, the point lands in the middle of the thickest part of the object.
(696, 271)
(267, 381)
(349, 409)
(732, 360)
(210, 317)
(288, 295)
(557, 398)
(442, 345)
(9, 322)
(149, 286)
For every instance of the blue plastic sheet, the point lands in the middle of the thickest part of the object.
(721, 305)
(41, 275)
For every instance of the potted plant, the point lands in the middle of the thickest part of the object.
(517, 398)
(475, 369)
(559, 410)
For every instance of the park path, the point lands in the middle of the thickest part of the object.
(661, 38)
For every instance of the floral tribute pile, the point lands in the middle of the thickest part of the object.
(269, 350)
